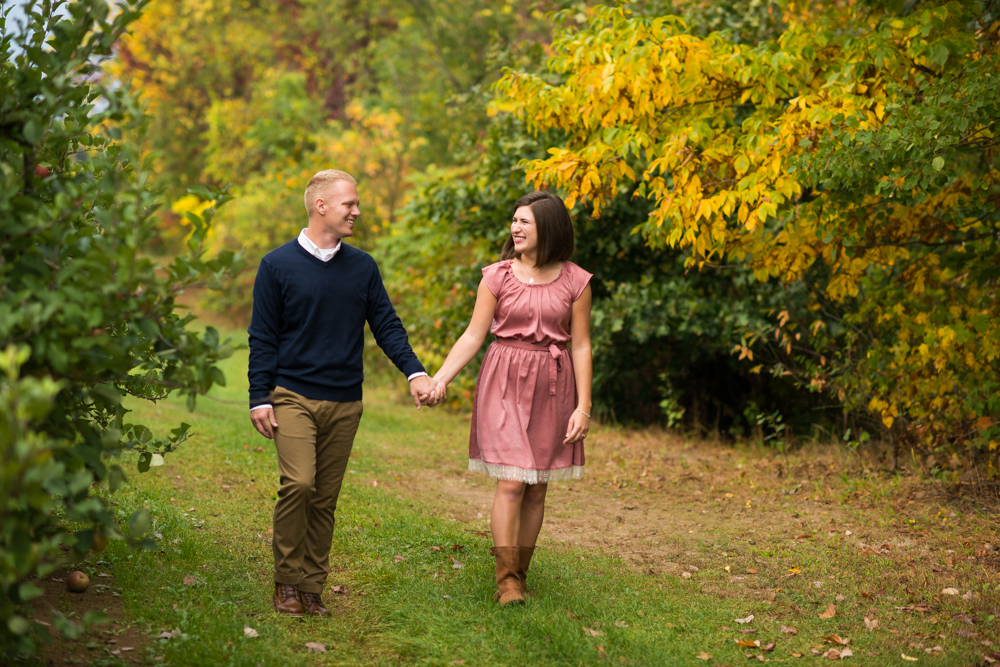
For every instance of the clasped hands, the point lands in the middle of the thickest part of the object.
(427, 391)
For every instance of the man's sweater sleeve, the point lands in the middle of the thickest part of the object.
(264, 326)
(387, 329)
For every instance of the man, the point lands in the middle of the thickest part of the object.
(311, 299)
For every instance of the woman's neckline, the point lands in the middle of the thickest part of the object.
(562, 269)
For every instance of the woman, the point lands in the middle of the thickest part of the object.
(532, 405)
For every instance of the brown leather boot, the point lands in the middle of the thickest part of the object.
(523, 561)
(313, 604)
(286, 600)
(508, 583)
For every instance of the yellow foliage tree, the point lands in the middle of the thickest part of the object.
(856, 150)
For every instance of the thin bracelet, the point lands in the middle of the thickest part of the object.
(582, 412)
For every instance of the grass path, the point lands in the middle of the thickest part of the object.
(648, 561)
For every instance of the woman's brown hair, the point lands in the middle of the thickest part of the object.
(556, 241)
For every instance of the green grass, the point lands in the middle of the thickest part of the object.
(587, 607)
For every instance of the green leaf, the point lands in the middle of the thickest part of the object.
(144, 460)
(28, 590)
(18, 625)
(116, 477)
(96, 617)
(33, 132)
(938, 163)
(139, 523)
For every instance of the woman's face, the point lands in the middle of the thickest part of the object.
(524, 231)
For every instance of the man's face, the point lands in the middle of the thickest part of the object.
(338, 208)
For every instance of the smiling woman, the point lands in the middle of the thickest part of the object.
(532, 406)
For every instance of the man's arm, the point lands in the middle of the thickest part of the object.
(390, 335)
(263, 334)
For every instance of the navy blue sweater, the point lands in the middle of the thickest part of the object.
(307, 331)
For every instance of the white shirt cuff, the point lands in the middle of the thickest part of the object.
(409, 378)
(260, 407)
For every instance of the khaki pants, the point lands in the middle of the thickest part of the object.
(313, 440)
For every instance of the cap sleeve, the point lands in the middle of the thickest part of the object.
(578, 280)
(494, 276)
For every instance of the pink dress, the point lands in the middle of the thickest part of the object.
(526, 391)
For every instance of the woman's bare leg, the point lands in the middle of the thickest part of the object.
(505, 519)
(532, 513)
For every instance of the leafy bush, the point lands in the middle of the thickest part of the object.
(85, 318)
(855, 150)
(663, 337)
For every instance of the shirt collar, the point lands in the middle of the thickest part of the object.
(324, 254)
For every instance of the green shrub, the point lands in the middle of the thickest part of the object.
(85, 318)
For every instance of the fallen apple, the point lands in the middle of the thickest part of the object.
(99, 542)
(42, 172)
(77, 582)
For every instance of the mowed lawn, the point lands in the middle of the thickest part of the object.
(412, 578)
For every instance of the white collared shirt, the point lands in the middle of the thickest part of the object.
(324, 255)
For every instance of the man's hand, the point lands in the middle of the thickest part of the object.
(263, 421)
(420, 390)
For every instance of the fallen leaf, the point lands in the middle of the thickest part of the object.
(836, 639)
(339, 589)
(968, 596)
(817, 584)
(839, 598)
(458, 662)
(866, 595)
(871, 622)
(794, 654)
(249, 632)
(600, 649)
(190, 579)
(571, 614)
(621, 624)
(802, 536)
(686, 575)
(789, 630)
(456, 565)
(908, 657)
(399, 558)
(115, 652)
(747, 643)
(374, 482)
(692, 568)
(846, 652)
(703, 656)
(747, 631)
(831, 611)
(934, 650)
(166, 634)
(950, 591)
(258, 449)
(767, 648)
(437, 548)
(316, 647)
(593, 633)
(752, 570)
(126, 649)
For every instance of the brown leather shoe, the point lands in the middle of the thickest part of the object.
(313, 604)
(286, 600)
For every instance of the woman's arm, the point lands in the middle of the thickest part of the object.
(583, 368)
(468, 343)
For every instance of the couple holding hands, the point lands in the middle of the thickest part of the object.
(531, 412)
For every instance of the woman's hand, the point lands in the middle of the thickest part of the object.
(438, 393)
(579, 426)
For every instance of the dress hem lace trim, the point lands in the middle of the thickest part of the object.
(515, 474)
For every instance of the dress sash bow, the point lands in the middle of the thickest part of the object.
(555, 351)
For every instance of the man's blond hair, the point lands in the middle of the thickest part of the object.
(320, 182)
